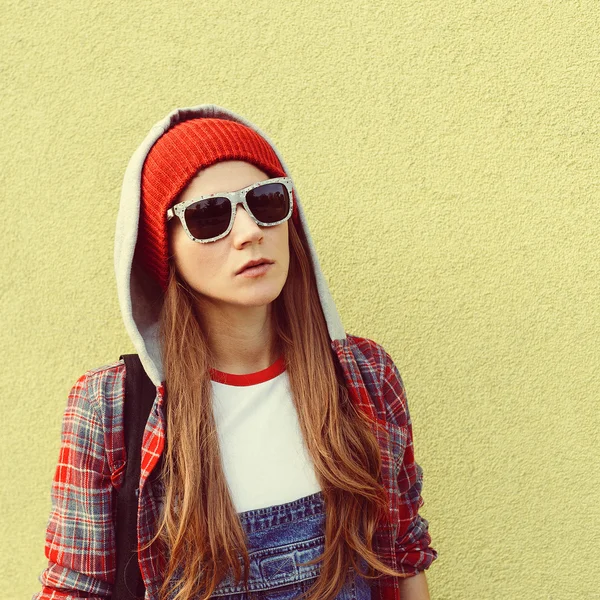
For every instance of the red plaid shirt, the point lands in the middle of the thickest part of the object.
(80, 537)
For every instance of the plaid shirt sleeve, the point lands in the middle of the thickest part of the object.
(412, 548)
(80, 532)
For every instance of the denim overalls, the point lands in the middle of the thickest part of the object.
(279, 538)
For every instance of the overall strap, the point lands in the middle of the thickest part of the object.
(140, 393)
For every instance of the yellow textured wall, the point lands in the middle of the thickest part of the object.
(447, 155)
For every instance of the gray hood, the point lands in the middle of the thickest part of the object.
(139, 298)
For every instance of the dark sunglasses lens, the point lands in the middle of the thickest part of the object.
(208, 218)
(269, 203)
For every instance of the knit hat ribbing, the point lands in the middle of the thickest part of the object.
(176, 157)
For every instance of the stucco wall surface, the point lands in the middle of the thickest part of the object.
(447, 156)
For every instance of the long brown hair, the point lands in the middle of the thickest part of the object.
(199, 527)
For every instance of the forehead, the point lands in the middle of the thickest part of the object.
(225, 176)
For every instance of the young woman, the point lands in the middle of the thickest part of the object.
(287, 453)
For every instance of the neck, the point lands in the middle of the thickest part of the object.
(241, 338)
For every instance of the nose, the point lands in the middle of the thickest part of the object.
(245, 229)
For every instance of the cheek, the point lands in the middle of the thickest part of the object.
(179, 250)
(176, 237)
(187, 255)
(286, 243)
(205, 264)
(282, 236)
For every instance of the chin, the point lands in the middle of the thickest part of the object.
(259, 300)
(259, 297)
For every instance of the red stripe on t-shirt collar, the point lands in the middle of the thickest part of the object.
(277, 368)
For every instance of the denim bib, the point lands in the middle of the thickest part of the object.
(281, 537)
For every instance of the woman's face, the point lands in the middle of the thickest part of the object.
(211, 268)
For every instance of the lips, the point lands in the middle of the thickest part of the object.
(254, 263)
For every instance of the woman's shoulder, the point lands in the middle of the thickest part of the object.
(369, 354)
(101, 391)
(93, 419)
(106, 382)
(368, 346)
(114, 365)
(381, 378)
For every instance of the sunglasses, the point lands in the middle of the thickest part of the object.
(210, 218)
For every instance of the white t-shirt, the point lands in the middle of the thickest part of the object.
(264, 456)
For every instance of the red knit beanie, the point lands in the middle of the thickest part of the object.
(176, 157)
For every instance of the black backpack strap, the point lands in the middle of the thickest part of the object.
(140, 393)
